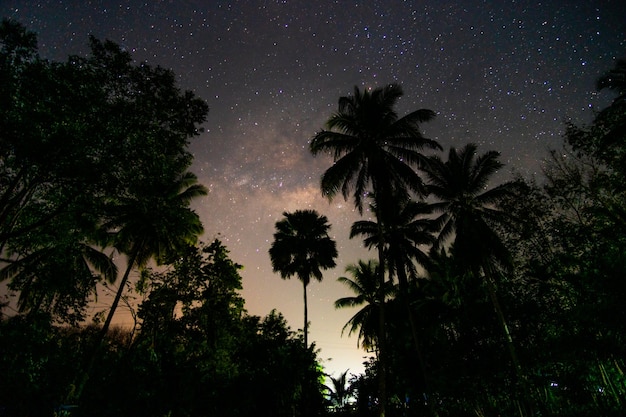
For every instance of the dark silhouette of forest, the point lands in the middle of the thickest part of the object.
(481, 299)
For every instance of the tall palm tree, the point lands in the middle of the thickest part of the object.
(374, 152)
(156, 224)
(469, 212)
(302, 247)
(372, 146)
(403, 232)
(364, 284)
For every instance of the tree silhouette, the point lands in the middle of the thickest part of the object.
(339, 392)
(364, 284)
(302, 247)
(374, 152)
(404, 231)
(158, 225)
(469, 212)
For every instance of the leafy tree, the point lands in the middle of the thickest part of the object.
(571, 255)
(197, 351)
(604, 138)
(77, 138)
(188, 341)
(302, 247)
(37, 363)
(279, 373)
(49, 195)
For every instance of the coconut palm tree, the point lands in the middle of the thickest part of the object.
(302, 247)
(374, 152)
(404, 231)
(58, 278)
(469, 213)
(156, 224)
(467, 209)
(372, 146)
(157, 227)
(364, 284)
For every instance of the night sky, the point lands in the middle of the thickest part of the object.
(505, 75)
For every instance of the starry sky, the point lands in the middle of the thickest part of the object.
(503, 74)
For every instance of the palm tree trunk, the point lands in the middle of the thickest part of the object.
(525, 406)
(382, 348)
(503, 324)
(76, 394)
(306, 320)
(420, 357)
(404, 295)
(118, 296)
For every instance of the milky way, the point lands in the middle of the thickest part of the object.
(505, 75)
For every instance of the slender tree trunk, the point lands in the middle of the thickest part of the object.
(420, 357)
(306, 320)
(525, 407)
(503, 324)
(382, 339)
(404, 296)
(381, 202)
(75, 396)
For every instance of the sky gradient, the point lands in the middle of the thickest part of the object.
(504, 75)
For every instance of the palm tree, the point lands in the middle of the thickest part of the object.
(302, 247)
(59, 278)
(402, 234)
(340, 392)
(404, 230)
(372, 146)
(365, 285)
(469, 211)
(57, 269)
(157, 224)
(374, 152)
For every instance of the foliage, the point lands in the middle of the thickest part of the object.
(197, 351)
(375, 152)
(364, 284)
(372, 146)
(339, 392)
(302, 247)
(78, 140)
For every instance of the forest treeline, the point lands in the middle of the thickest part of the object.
(480, 299)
